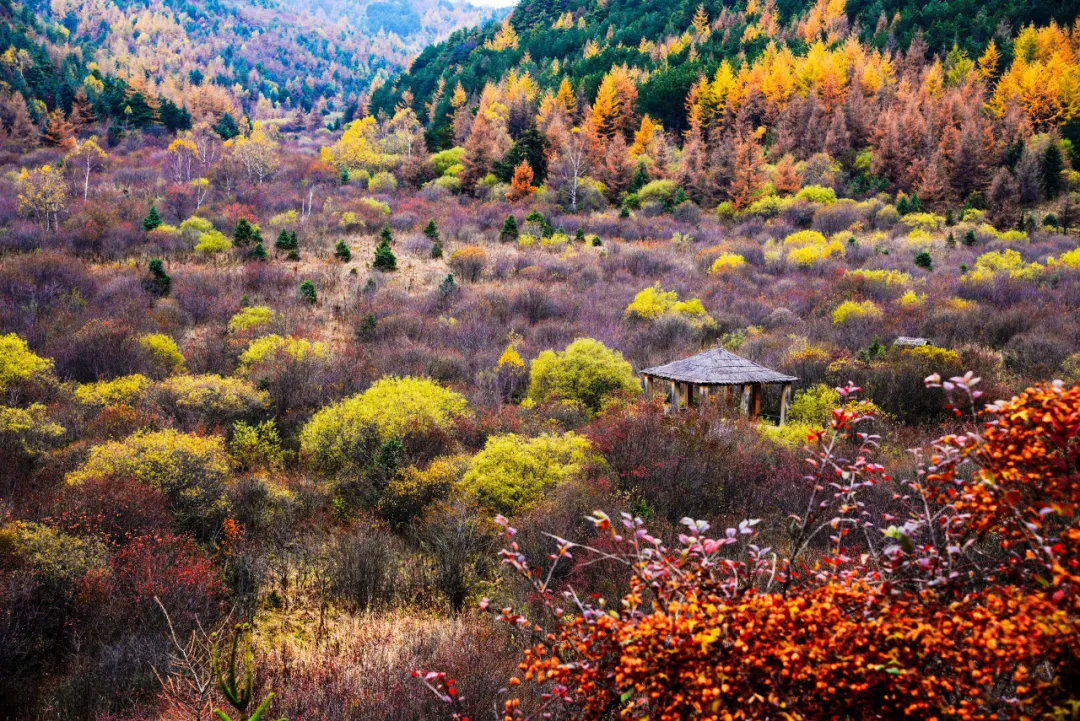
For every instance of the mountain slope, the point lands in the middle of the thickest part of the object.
(264, 58)
(582, 39)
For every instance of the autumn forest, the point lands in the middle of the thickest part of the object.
(358, 360)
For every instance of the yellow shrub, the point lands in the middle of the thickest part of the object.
(653, 302)
(391, 408)
(412, 490)
(19, 365)
(190, 470)
(163, 352)
(213, 242)
(805, 238)
(1008, 262)
(911, 299)
(511, 358)
(1071, 259)
(125, 390)
(960, 304)
(850, 310)
(921, 221)
(273, 346)
(526, 241)
(919, 237)
(587, 372)
(811, 254)
(556, 241)
(513, 472)
(727, 262)
(252, 317)
(210, 400)
(887, 278)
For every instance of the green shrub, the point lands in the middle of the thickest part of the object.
(447, 159)
(658, 191)
(814, 405)
(257, 446)
(382, 182)
(587, 372)
(512, 472)
(53, 558)
(817, 194)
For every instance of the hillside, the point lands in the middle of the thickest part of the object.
(580, 40)
(265, 59)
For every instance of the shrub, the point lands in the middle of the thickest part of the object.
(817, 194)
(1006, 262)
(887, 278)
(164, 354)
(814, 406)
(257, 446)
(210, 400)
(159, 283)
(252, 317)
(911, 299)
(805, 238)
(512, 472)
(272, 347)
(587, 372)
(382, 182)
(921, 221)
(1071, 258)
(213, 242)
(20, 369)
(125, 390)
(393, 408)
(849, 311)
(412, 490)
(447, 159)
(468, 262)
(194, 227)
(308, 292)
(658, 191)
(924, 260)
(189, 470)
(653, 302)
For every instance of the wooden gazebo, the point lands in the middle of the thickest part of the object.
(694, 379)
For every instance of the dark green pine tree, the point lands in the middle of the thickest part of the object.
(258, 252)
(448, 285)
(431, 230)
(344, 177)
(307, 292)
(385, 235)
(244, 234)
(342, 252)
(152, 219)
(509, 232)
(286, 241)
(969, 238)
(384, 257)
(226, 128)
(159, 283)
(437, 250)
(640, 179)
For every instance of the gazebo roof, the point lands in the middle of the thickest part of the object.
(716, 367)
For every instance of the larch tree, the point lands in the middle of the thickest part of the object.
(521, 186)
(748, 174)
(58, 131)
(618, 169)
(87, 158)
(786, 179)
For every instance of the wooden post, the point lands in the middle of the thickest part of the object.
(647, 387)
(684, 394)
(755, 401)
(744, 400)
(785, 398)
(691, 395)
(674, 397)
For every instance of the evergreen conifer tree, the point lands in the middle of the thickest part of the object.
(384, 257)
(152, 219)
(509, 232)
(342, 252)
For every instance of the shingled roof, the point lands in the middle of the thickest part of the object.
(716, 367)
